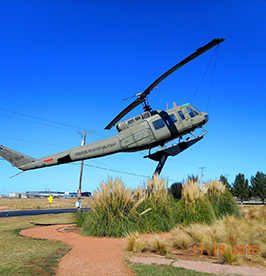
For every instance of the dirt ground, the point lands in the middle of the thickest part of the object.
(106, 256)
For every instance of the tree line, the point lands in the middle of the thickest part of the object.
(243, 190)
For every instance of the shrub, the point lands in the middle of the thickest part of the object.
(176, 190)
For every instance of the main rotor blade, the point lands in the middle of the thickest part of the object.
(199, 51)
(142, 96)
(123, 113)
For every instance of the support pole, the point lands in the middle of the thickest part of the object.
(160, 165)
(83, 141)
(158, 169)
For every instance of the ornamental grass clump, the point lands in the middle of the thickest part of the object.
(215, 188)
(221, 199)
(158, 245)
(231, 239)
(112, 194)
(192, 191)
(116, 210)
(134, 243)
(112, 208)
(194, 206)
(157, 211)
(181, 239)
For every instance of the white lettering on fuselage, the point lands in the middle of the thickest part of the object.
(95, 149)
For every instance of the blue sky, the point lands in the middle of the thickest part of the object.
(66, 66)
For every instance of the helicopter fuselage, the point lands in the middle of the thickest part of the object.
(146, 131)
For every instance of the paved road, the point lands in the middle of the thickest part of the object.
(16, 213)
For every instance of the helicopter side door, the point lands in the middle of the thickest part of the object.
(160, 129)
(136, 136)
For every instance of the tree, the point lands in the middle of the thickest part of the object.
(240, 187)
(224, 181)
(258, 185)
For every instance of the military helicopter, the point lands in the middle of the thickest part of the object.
(150, 129)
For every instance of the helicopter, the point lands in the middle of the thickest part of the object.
(150, 129)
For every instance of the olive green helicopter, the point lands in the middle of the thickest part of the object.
(150, 129)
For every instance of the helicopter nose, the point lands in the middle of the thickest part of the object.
(206, 117)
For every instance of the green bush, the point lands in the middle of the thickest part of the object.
(225, 205)
(108, 224)
(201, 211)
(159, 218)
(79, 218)
(221, 199)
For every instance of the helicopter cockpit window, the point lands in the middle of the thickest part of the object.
(190, 112)
(130, 122)
(195, 112)
(158, 124)
(181, 115)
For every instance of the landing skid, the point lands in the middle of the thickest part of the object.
(162, 155)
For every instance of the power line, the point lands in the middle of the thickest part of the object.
(39, 123)
(58, 125)
(122, 172)
(40, 119)
(29, 141)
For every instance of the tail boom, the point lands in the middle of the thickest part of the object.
(97, 149)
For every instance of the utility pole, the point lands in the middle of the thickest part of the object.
(202, 173)
(83, 141)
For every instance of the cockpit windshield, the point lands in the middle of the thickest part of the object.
(192, 112)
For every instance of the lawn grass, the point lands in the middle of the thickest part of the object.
(166, 270)
(21, 255)
(39, 203)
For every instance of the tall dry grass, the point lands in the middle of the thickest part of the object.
(155, 187)
(158, 245)
(134, 243)
(112, 194)
(215, 188)
(192, 191)
(224, 237)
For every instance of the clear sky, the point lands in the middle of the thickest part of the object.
(66, 66)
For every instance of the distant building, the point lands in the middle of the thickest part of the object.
(54, 194)
(83, 194)
(44, 194)
(17, 195)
